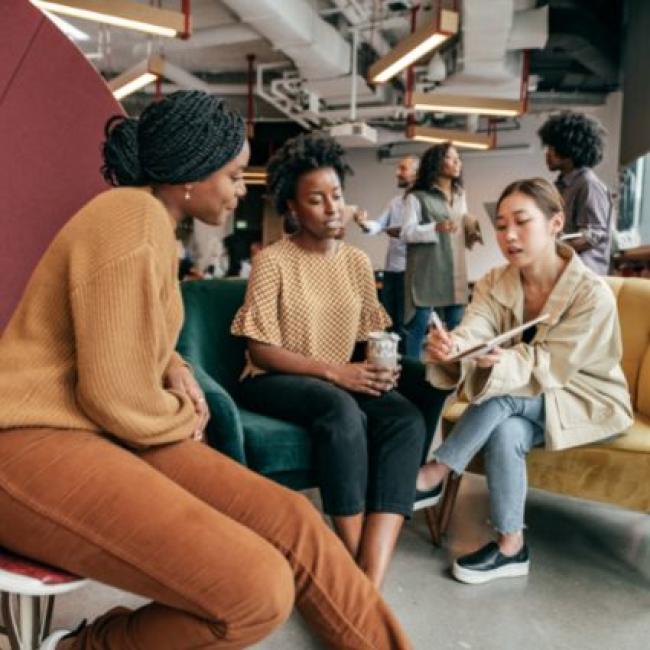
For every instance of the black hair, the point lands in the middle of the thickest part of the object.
(238, 248)
(185, 137)
(299, 155)
(576, 136)
(430, 169)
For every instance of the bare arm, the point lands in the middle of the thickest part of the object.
(278, 359)
(355, 377)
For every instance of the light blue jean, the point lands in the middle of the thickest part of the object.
(506, 428)
(416, 329)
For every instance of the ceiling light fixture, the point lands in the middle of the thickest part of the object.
(414, 46)
(67, 28)
(122, 13)
(137, 77)
(460, 139)
(255, 176)
(466, 105)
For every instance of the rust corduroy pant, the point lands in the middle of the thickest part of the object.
(222, 552)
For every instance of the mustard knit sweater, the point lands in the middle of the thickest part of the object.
(89, 343)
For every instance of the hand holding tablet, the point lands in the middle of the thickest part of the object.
(484, 348)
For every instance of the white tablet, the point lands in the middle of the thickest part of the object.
(484, 348)
(568, 236)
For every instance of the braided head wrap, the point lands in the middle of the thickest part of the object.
(183, 138)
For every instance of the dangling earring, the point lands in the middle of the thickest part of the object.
(187, 192)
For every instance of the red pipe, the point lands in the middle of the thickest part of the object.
(525, 73)
(410, 74)
(187, 28)
(249, 105)
(492, 131)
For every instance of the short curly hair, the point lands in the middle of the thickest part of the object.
(576, 136)
(299, 155)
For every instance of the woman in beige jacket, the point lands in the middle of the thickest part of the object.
(559, 384)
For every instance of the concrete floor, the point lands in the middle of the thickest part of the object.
(589, 586)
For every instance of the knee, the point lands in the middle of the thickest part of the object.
(275, 593)
(265, 603)
(505, 441)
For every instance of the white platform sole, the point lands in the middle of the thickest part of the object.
(469, 577)
(427, 503)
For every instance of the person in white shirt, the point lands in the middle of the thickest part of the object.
(390, 221)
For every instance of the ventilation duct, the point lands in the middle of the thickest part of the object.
(494, 34)
(294, 27)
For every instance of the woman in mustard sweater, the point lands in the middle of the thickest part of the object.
(102, 470)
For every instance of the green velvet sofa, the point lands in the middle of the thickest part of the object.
(277, 449)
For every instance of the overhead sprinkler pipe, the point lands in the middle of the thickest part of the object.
(525, 74)
(250, 109)
(410, 72)
(260, 92)
(187, 12)
(353, 76)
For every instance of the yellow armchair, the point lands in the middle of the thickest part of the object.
(616, 471)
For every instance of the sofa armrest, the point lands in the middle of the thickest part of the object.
(224, 430)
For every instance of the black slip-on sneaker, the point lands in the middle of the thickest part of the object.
(488, 563)
(427, 498)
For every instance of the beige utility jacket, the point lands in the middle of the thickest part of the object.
(573, 360)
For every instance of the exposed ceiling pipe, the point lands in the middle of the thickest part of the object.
(589, 41)
(365, 112)
(221, 90)
(587, 54)
(295, 28)
(183, 78)
(494, 36)
(353, 10)
(216, 37)
(250, 106)
(281, 103)
(358, 16)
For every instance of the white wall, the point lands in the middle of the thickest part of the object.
(485, 175)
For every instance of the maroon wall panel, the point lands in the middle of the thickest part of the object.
(53, 106)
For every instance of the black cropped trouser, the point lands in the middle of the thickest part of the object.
(367, 449)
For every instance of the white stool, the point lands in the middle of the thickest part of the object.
(27, 592)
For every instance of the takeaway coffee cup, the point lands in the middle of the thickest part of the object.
(382, 349)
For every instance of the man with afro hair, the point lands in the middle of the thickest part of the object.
(574, 144)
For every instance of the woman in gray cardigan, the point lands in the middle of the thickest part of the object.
(437, 230)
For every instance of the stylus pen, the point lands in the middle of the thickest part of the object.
(434, 320)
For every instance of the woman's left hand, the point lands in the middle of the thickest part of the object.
(182, 380)
(490, 359)
(387, 378)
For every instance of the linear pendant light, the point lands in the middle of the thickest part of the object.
(121, 13)
(255, 176)
(137, 77)
(414, 46)
(461, 139)
(467, 105)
